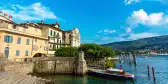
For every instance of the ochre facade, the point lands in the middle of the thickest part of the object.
(27, 40)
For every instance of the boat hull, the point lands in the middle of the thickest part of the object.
(109, 76)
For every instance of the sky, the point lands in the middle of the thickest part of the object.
(99, 21)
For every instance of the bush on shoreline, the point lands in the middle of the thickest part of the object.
(90, 50)
(66, 52)
(94, 50)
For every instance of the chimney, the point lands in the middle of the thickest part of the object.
(28, 22)
(5, 15)
(42, 22)
(10, 17)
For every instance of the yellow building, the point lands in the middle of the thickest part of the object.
(54, 34)
(72, 38)
(21, 40)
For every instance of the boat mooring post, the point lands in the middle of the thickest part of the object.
(148, 72)
(134, 58)
(153, 71)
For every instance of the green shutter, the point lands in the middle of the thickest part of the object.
(11, 39)
(50, 32)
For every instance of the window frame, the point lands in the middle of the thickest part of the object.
(26, 53)
(17, 52)
(19, 40)
(27, 41)
(8, 39)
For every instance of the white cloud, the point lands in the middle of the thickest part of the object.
(107, 31)
(141, 17)
(127, 2)
(141, 35)
(128, 29)
(36, 11)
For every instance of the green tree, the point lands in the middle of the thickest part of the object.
(66, 52)
(94, 50)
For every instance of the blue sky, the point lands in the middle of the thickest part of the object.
(99, 21)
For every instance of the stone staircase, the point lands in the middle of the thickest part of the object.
(20, 78)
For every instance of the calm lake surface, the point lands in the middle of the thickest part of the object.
(160, 63)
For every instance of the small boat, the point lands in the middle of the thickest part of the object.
(112, 73)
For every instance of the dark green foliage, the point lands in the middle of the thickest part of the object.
(153, 43)
(90, 50)
(66, 52)
(94, 50)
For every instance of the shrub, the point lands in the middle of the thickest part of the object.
(109, 64)
(94, 50)
(66, 52)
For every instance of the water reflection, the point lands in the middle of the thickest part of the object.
(140, 71)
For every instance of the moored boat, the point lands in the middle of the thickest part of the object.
(112, 74)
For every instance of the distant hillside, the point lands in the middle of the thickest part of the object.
(154, 43)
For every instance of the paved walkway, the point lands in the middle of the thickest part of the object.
(19, 78)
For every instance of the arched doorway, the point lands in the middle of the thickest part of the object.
(6, 52)
(39, 55)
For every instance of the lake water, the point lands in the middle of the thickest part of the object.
(140, 71)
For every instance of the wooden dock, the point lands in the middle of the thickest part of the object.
(19, 78)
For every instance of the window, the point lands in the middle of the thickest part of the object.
(60, 41)
(54, 33)
(27, 42)
(57, 41)
(8, 39)
(26, 53)
(50, 32)
(17, 52)
(19, 40)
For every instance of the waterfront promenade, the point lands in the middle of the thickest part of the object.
(20, 78)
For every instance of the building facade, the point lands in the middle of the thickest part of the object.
(72, 38)
(20, 41)
(54, 34)
(27, 40)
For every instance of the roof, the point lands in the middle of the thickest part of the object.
(5, 18)
(13, 23)
(31, 24)
(51, 26)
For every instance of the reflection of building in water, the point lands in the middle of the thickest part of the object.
(84, 80)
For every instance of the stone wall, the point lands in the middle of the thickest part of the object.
(58, 65)
(24, 68)
(50, 65)
(61, 65)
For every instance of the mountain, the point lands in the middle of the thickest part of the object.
(152, 43)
